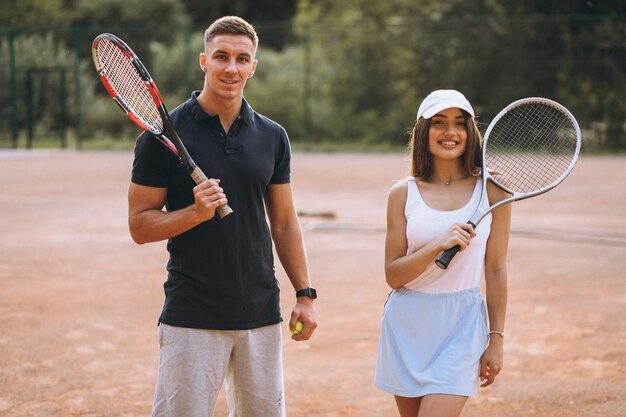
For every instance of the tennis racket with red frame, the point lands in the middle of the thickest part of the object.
(529, 148)
(130, 85)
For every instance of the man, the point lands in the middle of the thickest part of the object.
(221, 317)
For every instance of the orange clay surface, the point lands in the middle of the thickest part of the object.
(79, 300)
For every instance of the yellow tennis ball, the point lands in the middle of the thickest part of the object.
(298, 328)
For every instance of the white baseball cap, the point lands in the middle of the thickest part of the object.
(443, 99)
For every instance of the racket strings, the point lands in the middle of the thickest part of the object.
(531, 147)
(128, 84)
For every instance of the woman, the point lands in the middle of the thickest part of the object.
(435, 341)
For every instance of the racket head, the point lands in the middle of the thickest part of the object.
(530, 147)
(128, 82)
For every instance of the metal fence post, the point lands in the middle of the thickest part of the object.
(29, 107)
(188, 58)
(306, 136)
(77, 104)
(13, 82)
(62, 108)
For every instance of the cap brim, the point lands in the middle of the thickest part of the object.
(430, 112)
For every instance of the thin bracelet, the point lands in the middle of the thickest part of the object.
(496, 332)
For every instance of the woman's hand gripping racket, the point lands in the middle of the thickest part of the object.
(128, 82)
(528, 149)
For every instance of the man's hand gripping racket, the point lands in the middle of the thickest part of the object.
(128, 82)
(528, 149)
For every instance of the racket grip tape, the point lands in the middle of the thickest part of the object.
(444, 259)
(199, 177)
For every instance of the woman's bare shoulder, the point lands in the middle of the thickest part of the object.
(398, 194)
(400, 187)
(495, 193)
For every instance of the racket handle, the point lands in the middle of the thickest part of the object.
(224, 211)
(199, 177)
(444, 259)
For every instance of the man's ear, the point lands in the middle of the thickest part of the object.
(202, 61)
(253, 69)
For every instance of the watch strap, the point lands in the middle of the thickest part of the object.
(307, 292)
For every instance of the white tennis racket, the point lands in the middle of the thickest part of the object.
(528, 149)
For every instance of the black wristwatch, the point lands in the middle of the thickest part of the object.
(307, 292)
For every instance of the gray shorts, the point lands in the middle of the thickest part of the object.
(193, 363)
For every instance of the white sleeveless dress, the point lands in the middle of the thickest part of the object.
(434, 329)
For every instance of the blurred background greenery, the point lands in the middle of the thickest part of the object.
(344, 74)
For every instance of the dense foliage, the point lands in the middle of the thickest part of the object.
(347, 72)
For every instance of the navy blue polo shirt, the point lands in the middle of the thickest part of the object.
(220, 273)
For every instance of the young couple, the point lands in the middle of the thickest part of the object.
(221, 317)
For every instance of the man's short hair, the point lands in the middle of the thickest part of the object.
(231, 25)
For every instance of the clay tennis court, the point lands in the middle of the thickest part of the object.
(79, 300)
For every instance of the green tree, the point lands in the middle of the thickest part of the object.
(386, 56)
(271, 18)
(32, 12)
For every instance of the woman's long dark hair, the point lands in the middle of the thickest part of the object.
(421, 160)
